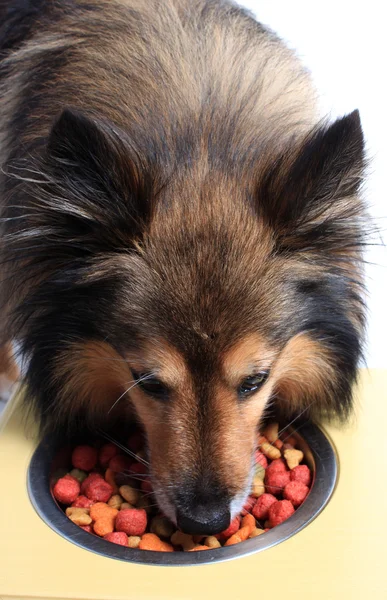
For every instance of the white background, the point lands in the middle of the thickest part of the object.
(343, 45)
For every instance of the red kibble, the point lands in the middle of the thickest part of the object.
(132, 521)
(120, 464)
(301, 473)
(291, 440)
(275, 482)
(82, 502)
(146, 486)
(87, 528)
(66, 490)
(99, 490)
(280, 511)
(296, 492)
(106, 453)
(117, 537)
(262, 505)
(89, 479)
(84, 457)
(276, 465)
(231, 529)
(138, 469)
(287, 446)
(261, 459)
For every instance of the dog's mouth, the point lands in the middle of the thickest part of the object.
(198, 513)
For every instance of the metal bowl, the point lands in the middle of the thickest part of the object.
(319, 455)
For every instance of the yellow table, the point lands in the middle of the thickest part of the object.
(340, 555)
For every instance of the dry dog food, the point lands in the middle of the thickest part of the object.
(109, 494)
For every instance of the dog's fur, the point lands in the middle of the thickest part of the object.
(172, 203)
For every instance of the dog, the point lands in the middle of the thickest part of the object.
(182, 235)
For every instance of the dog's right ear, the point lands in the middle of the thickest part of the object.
(309, 195)
(103, 180)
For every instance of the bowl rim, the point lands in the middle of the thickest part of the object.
(325, 480)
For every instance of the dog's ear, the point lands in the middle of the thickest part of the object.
(309, 194)
(102, 178)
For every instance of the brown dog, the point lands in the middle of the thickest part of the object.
(181, 234)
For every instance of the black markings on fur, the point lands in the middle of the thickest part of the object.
(94, 196)
(309, 199)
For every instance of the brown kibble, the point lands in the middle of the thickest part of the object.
(134, 541)
(116, 501)
(256, 532)
(259, 471)
(130, 494)
(79, 516)
(198, 538)
(126, 505)
(271, 432)
(258, 487)
(144, 503)
(278, 444)
(111, 478)
(293, 457)
(162, 527)
(71, 510)
(212, 542)
(270, 451)
(183, 539)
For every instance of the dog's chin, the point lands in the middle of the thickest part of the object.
(164, 503)
(239, 501)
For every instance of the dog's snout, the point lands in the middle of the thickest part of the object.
(203, 512)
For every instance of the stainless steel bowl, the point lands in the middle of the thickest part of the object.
(319, 455)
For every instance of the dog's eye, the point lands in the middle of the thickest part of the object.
(151, 385)
(251, 384)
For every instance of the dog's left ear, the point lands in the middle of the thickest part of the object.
(104, 182)
(309, 194)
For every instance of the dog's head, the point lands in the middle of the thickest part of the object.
(202, 297)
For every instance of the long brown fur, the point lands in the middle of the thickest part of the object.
(173, 205)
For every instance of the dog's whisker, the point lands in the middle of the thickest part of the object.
(147, 494)
(295, 418)
(138, 476)
(124, 448)
(135, 382)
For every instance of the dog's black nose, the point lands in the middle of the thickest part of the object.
(202, 505)
(203, 521)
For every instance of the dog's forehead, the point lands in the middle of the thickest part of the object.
(203, 361)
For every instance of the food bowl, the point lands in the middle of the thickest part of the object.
(318, 454)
